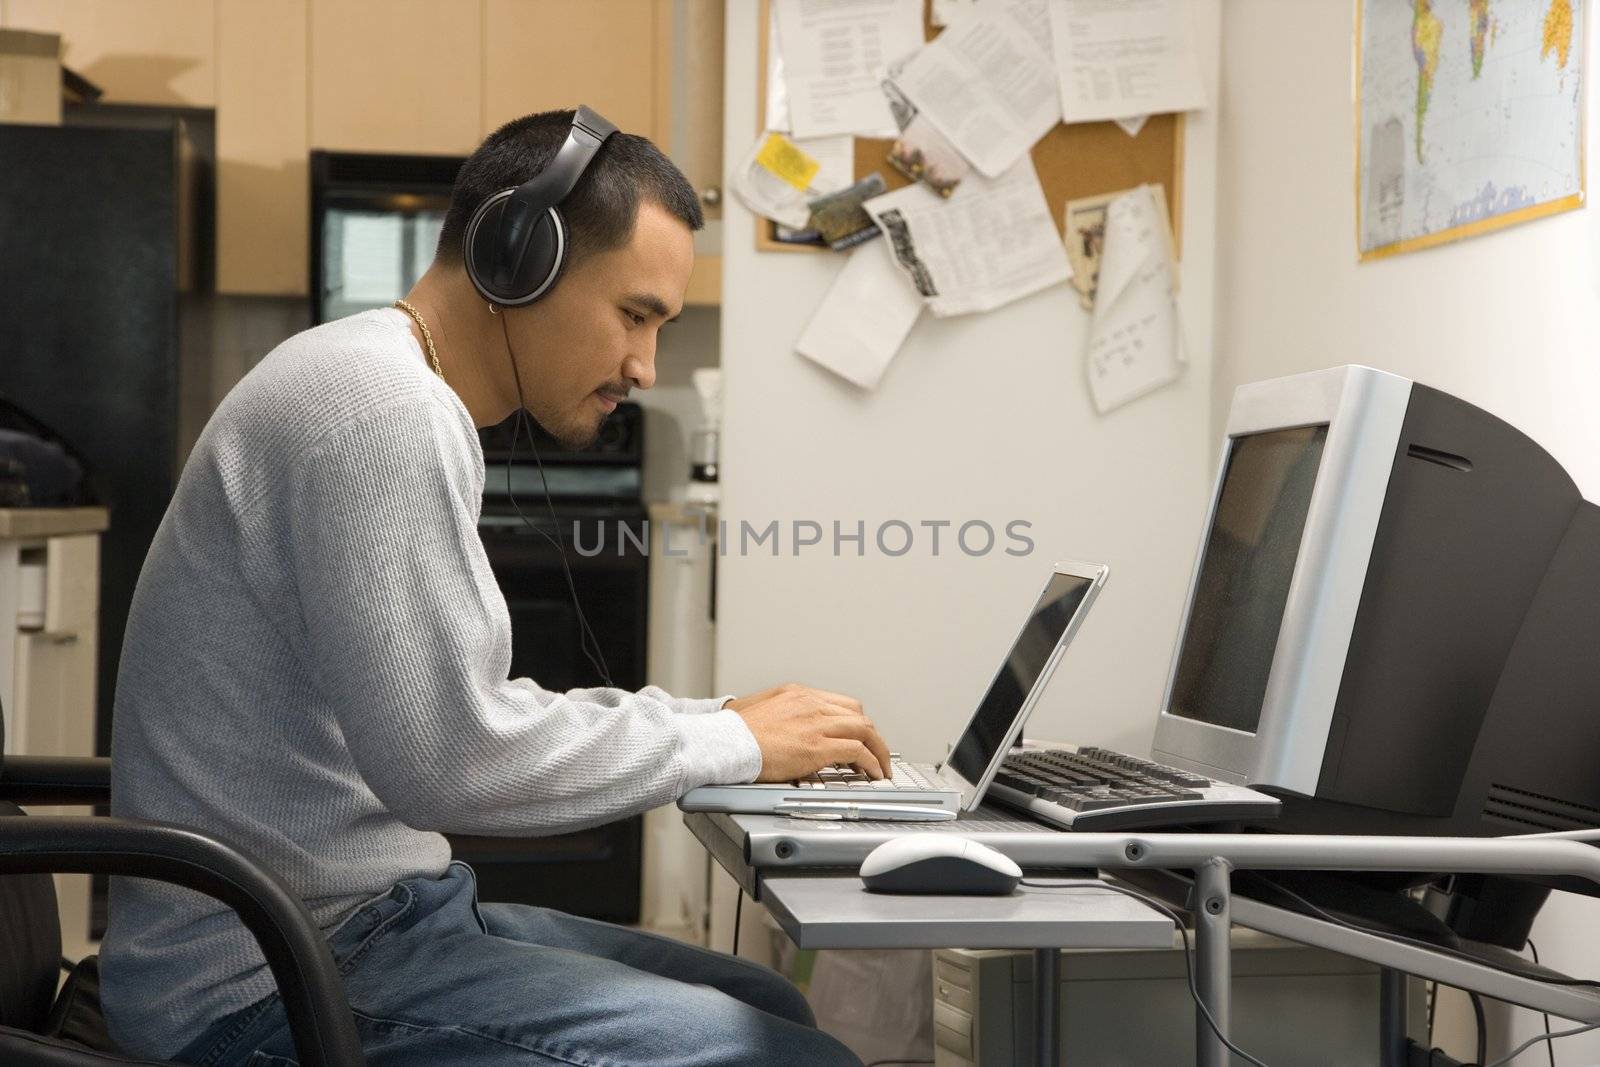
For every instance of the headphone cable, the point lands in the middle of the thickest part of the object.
(586, 638)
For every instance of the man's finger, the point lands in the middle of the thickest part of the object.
(880, 748)
(856, 754)
(862, 730)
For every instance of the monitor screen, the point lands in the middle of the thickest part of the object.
(1232, 629)
(1026, 662)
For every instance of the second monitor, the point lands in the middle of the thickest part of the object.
(1391, 622)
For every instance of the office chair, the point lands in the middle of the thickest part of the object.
(40, 1028)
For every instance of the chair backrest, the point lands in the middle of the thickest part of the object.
(30, 936)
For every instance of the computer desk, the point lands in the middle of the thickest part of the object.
(829, 908)
(825, 906)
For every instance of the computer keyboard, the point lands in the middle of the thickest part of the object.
(1087, 788)
(902, 775)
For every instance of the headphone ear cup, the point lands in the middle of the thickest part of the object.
(541, 264)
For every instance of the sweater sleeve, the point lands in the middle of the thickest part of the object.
(409, 639)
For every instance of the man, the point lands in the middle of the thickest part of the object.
(315, 670)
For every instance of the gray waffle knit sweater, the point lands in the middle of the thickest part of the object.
(315, 670)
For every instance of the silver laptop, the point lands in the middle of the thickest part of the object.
(923, 791)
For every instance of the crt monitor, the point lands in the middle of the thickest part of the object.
(1391, 619)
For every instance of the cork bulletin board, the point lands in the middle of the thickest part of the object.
(1083, 159)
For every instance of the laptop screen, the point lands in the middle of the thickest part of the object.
(1029, 657)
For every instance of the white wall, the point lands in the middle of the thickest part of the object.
(982, 417)
(1506, 321)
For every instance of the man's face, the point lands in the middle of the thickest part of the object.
(581, 348)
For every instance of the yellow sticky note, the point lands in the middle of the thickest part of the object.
(784, 158)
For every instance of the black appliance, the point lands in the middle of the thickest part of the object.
(99, 230)
(375, 222)
(596, 510)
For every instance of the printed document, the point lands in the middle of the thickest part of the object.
(1084, 229)
(834, 54)
(777, 88)
(1135, 343)
(990, 243)
(921, 152)
(987, 83)
(863, 320)
(1122, 58)
(949, 12)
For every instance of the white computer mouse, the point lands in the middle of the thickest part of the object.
(938, 863)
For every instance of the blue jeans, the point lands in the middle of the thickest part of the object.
(437, 980)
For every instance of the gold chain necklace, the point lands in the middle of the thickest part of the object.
(427, 338)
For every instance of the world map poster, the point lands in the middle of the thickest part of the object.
(1469, 117)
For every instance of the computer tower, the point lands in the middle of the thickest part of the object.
(1292, 1006)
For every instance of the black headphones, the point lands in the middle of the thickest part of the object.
(516, 242)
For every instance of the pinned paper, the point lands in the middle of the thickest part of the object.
(949, 12)
(834, 52)
(779, 176)
(841, 218)
(836, 161)
(1084, 227)
(1135, 341)
(987, 83)
(990, 243)
(921, 152)
(864, 319)
(784, 159)
(777, 88)
(1132, 126)
(1125, 58)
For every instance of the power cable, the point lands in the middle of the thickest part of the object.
(1188, 966)
(1483, 1030)
(1550, 1046)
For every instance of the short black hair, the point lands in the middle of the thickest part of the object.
(602, 208)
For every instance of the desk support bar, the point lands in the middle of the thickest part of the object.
(1310, 852)
(1213, 856)
(1047, 1006)
(1213, 964)
(1392, 1018)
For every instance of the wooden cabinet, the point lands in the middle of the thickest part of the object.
(396, 75)
(544, 54)
(262, 141)
(424, 76)
(689, 93)
(138, 51)
(689, 121)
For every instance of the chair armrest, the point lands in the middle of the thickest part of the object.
(56, 780)
(308, 981)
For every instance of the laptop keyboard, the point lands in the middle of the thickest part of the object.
(1095, 788)
(842, 776)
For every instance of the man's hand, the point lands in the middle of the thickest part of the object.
(801, 730)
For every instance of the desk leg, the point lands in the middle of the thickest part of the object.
(1213, 965)
(1391, 1018)
(1047, 1006)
